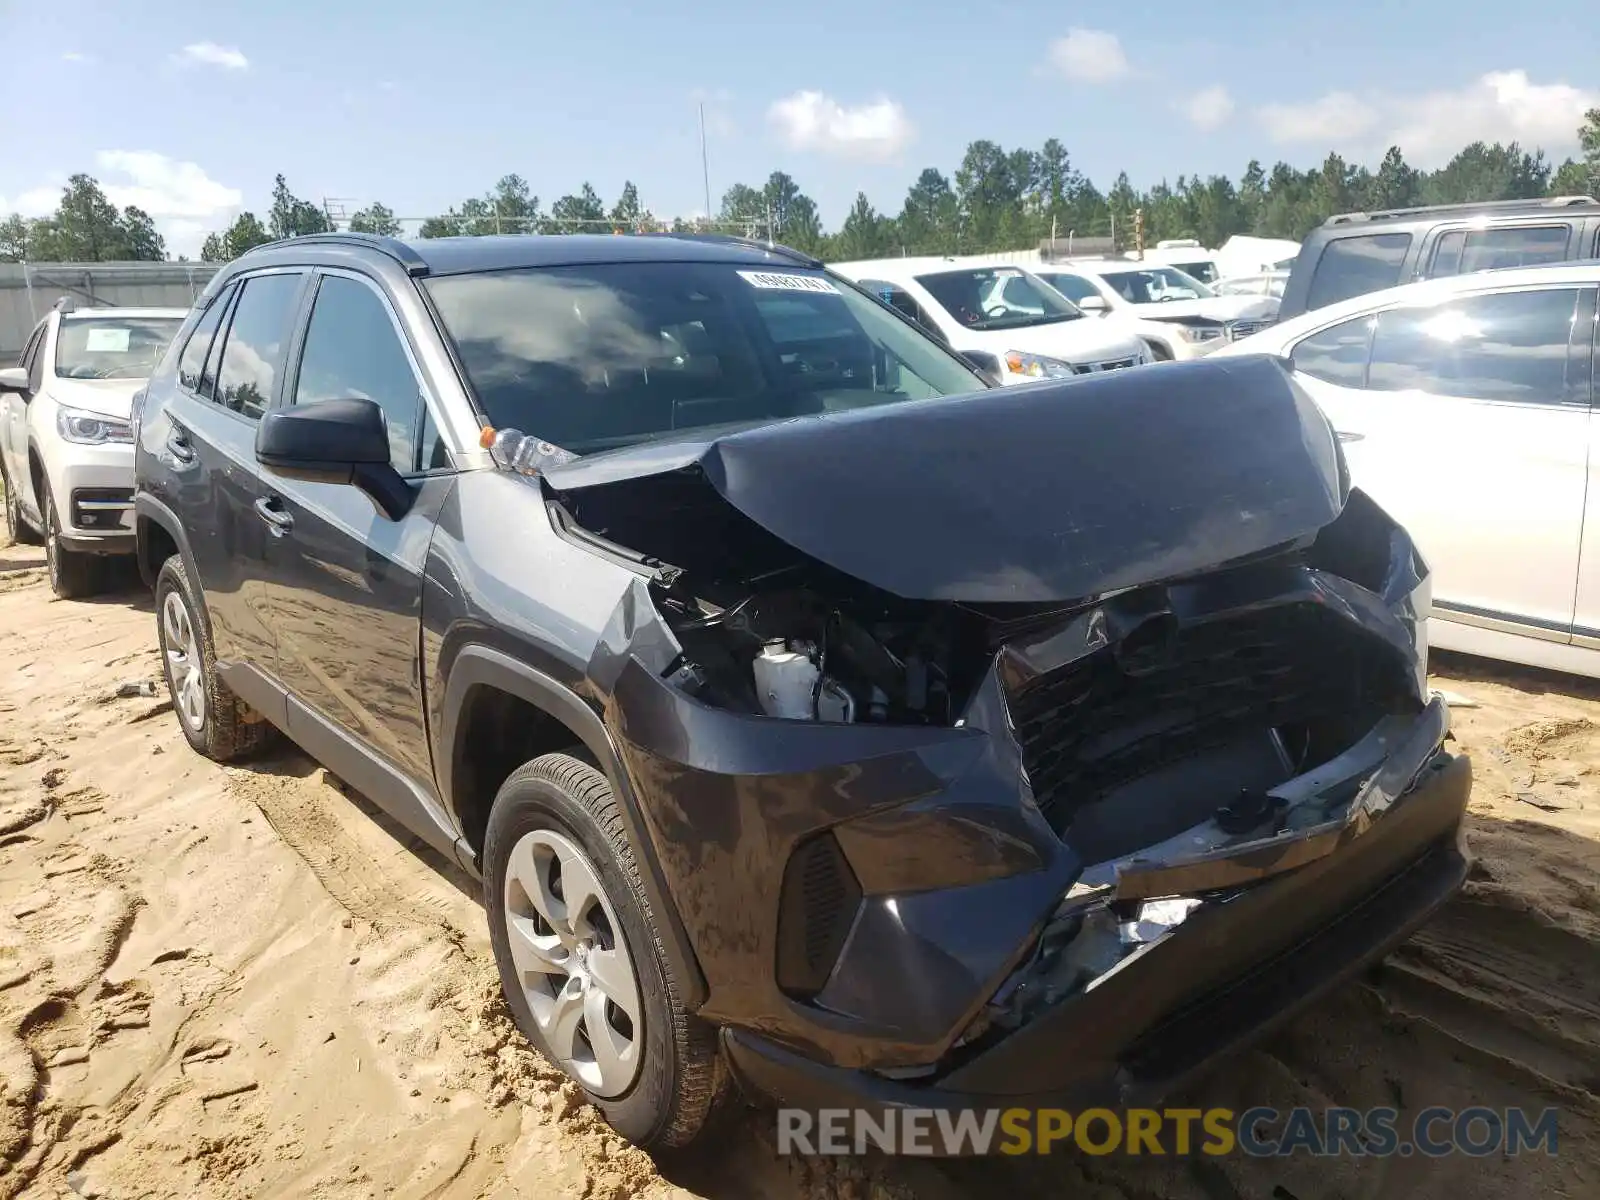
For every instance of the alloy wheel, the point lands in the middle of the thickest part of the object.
(573, 963)
(184, 670)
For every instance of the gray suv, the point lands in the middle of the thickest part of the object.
(814, 715)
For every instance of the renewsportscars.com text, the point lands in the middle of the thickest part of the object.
(1255, 1132)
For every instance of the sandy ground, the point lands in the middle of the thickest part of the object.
(244, 982)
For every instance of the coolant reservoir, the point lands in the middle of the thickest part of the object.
(786, 682)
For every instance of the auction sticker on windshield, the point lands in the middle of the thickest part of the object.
(777, 282)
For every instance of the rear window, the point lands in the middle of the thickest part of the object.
(1354, 266)
(596, 357)
(1463, 251)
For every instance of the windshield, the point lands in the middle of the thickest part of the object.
(1154, 285)
(601, 356)
(998, 298)
(112, 347)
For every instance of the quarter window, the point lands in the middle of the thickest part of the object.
(1337, 354)
(1501, 346)
(1354, 266)
(1463, 251)
(252, 353)
(192, 364)
(352, 351)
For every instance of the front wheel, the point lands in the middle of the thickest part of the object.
(580, 962)
(73, 574)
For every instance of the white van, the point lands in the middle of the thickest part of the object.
(1001, 313)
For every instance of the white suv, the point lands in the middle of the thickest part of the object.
(66, 439)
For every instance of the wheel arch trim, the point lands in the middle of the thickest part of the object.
(477, 666)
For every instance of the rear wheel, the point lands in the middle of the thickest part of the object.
(580, 962)
(73, 575)
(18, 531)
(215, 721)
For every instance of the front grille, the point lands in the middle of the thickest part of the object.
(1240, 330)
(1112, 364)
(815, 912)
(100, 508)
(1163, 696)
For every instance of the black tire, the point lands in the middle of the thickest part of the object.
(230, 729)
(73, 575)
(681, 1079)
(18, 531)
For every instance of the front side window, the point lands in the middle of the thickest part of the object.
(1074, 287)
(1156, 285)
(601, 356)
(352, 351)
(902, 301)
(1501, 346)
(1336, 355)
(1463, 251)
(1354, 266)
(252, 353)
(112, 347)
(998, 298)
(192, 364)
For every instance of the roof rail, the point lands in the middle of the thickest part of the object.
(393, 247)
(1389, 214)
(728, 239)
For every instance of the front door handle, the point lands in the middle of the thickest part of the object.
(278, 521)
(1349, 437)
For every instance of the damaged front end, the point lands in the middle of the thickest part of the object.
(984, 740)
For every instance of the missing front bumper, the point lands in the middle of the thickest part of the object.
(1229, 974)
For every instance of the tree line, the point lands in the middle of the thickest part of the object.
(996, 199)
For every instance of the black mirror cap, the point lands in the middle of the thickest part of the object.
(986, 365)
(323, 442)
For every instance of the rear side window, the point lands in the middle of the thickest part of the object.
(1336, 355)
(192, 365)
(1463, 251)
(252, 354)
(1503, 346)
(1354, 266)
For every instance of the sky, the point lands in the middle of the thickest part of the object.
(188, 108)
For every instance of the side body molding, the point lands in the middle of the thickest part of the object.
(480, 666)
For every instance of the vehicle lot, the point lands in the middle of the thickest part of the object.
(245, 982)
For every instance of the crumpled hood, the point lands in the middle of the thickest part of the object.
(105, 397)
(1053, 491)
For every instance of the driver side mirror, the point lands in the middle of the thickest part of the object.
(334, 441)
(13, 379)
(1094, 304)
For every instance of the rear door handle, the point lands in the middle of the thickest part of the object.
(278, 521)
(178, 445)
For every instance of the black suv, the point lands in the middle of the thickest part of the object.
(806, 707)
(1355, 253)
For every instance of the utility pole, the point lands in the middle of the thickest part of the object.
(705, 163)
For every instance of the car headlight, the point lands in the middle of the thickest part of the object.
(1037, 366)
(1200, 333)
(91, 429)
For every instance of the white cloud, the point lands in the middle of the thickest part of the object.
(212, 55)
(35, 202)
(1429, 127)
(878, 129)
(1089, 56)
(1209, 108)
(74, 56)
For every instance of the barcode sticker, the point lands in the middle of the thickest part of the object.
(776, 282)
